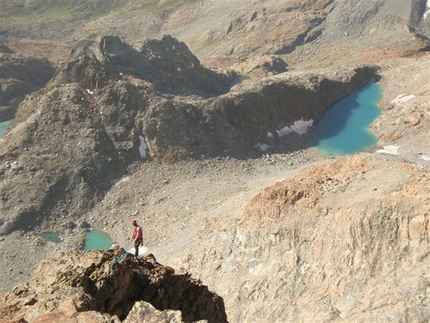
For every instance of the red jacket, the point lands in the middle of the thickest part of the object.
(138, 232)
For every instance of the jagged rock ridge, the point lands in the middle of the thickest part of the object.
(166, 63)
(98, 281)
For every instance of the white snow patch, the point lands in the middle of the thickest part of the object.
(428, 10)
(263, 147)
(300, 127)
(269, 135)
(402, 98)
(391, 150)
(239, 240)
(304, 268)
(142, 250)
(256, 270)
(284, 131)
(142, 147)
(121, 180)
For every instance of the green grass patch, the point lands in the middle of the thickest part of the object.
(23, 12)
(60, 8)
(19, 12)
(161, 7)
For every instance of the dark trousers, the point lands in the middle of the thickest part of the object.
(137, 243)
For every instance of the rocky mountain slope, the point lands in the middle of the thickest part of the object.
(182, 132)
(72, 139)
(330, 243)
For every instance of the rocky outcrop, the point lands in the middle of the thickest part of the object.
(166, 63)
(101, 286)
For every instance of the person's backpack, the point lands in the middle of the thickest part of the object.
(123, 256)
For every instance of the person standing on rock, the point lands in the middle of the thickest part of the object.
(137, 237)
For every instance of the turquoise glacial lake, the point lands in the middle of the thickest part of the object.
(3, 126)
(97, 240)
(344, 128)
(52, 236)
(94, 239)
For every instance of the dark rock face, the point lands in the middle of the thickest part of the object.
(20, 76)
(99, 281)
(5, 49)
(167, 63)
(413, 12)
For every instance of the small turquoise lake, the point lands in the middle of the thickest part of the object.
(94, 239)
(97, 240)
(52, 236)
(3, 126)
(344, 128)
